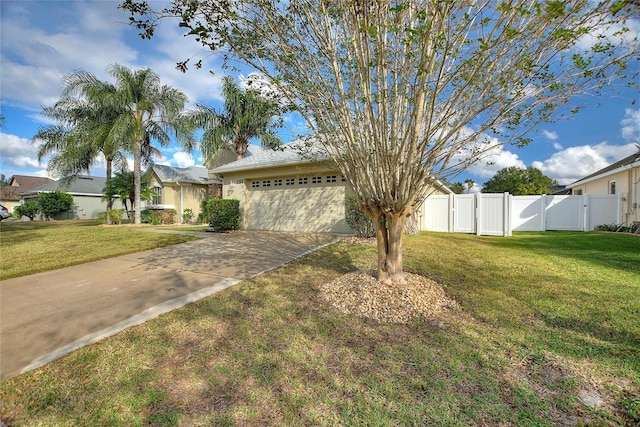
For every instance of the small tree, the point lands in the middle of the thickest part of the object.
(519, 182)
(29, 209)
(53, 203)
(404, 92)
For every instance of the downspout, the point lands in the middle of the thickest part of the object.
(181, 204)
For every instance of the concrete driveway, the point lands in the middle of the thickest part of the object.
(47, 315)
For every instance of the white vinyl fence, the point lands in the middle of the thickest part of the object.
(500, 214)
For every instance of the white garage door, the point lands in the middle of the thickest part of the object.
(308, 204)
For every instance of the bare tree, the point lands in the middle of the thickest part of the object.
(404, 92)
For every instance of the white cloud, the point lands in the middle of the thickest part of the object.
(573, 163)
(553, 136)
(18, 152)
(183, 159)
(557, 146)
(631, 125)
(617, 33)
(493, 160)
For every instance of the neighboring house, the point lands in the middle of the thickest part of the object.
(181, 188)
(284, 191)
(87, 196)
(10, 195)
(623, 178)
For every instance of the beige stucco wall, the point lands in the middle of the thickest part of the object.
(181, 196)
(627, 185)
(313, 207)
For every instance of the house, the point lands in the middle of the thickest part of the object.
(181, 188)
(283, 191)
(10, 195)
(86, 192)
(621, 177)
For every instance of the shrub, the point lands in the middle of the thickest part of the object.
(619, 228)
(53, 203)
(168, 216)
(222, 214)
(151, 216)
(29, 209)
(145, 216)
(115, 215)
(358, 221)
(187, 216)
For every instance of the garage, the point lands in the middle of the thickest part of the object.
(313, 203)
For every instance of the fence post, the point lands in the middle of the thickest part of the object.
(543, 212)
(585, 211)
(478, 215)
(506, 215)
(451, 209)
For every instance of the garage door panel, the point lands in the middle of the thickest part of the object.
(314, 208)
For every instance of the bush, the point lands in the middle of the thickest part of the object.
(115, 215)
(221, 214)
(29, 209)
(168, 216)
(618, 228)
(358, 221)
(151, 216)
(187, 216)
(53, 203)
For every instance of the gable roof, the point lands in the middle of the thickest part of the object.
(259, 158)
(26, 182)
(82, 185)
(289, 154)
(192, 174)
(9, 192)
(629, 161)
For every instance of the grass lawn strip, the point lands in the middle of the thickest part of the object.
(58, 244)
(532, 333)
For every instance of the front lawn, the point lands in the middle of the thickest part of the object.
(35, 246)
(545, 319)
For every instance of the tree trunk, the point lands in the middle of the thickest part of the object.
(110, 199)
(390, 249)
(389, 233)
(137, 155)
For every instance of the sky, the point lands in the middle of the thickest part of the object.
(42, 41)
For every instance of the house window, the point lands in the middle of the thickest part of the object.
(291, 181)
(277, 182)
(342, 178)
(612, 187)
(302, 181)
(577, 193)
(331, 178)
(316, 180)
(156, 196)
(266, 183)
(255, 184)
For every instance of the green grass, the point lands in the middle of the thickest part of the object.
(543, 316)
(35, 246)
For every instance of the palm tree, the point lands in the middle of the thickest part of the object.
(123, 186)
(81, 134)
(470, 183)
(246, 115)
(147, 111)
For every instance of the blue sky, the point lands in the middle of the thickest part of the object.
(42, 41)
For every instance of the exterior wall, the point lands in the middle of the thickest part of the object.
(627, 184)
(180, 196)
(10, 205)
(85, 207)
(312, 207)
